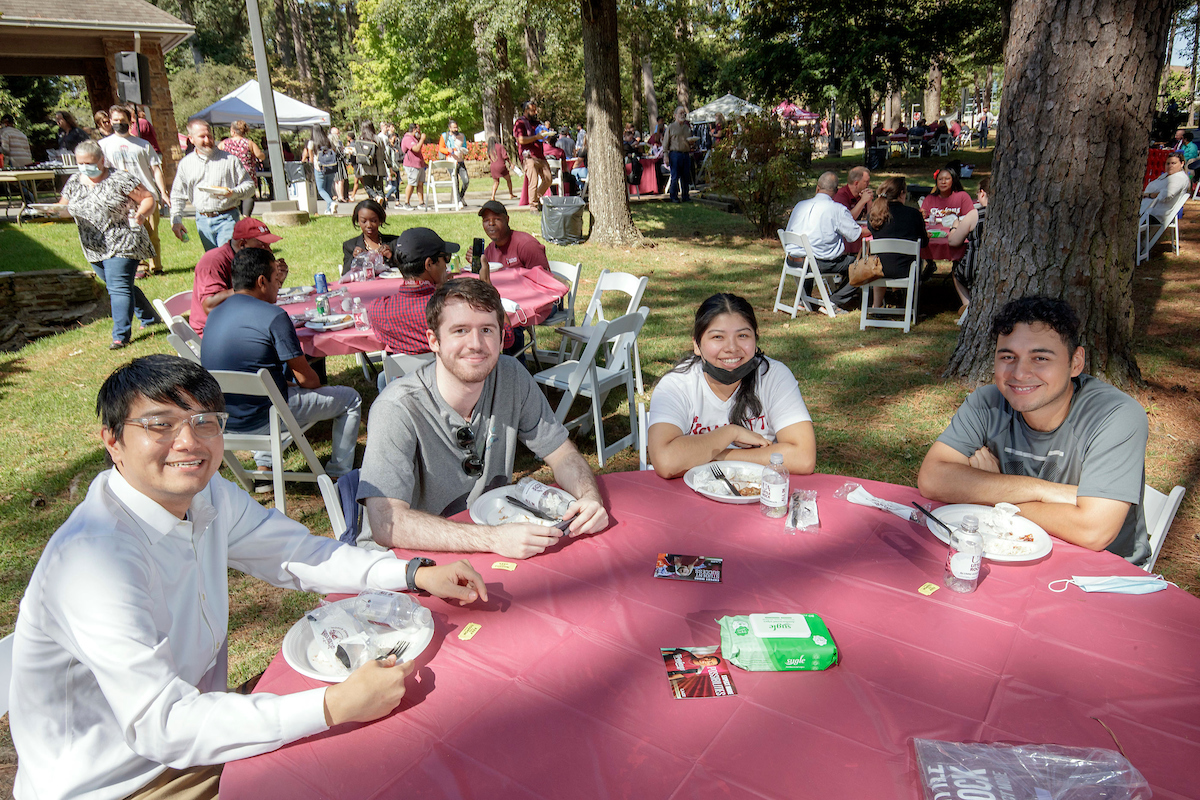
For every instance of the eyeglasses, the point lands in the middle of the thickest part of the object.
(205, 425)
(472, 465)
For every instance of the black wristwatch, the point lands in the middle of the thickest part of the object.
(414, 564)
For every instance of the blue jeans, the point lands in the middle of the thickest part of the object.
(216, 231)
(117, 274)
(681, 167)
(338, 403)
(325, 182)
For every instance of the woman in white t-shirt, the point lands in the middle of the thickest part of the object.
(728, 401)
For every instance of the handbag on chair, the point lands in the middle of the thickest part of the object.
(866, 268)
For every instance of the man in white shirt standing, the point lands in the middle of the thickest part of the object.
(128, 153)
(119, 657)
(214, 182)
(829, 227)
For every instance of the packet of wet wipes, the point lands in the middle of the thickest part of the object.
(777, 642)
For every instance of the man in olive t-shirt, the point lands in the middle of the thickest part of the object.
(1068, 448)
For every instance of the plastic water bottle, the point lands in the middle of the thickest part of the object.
(546, 499)
(773, 498)
(322, 304)
(392, 609)
(360, 315)
(964, 557)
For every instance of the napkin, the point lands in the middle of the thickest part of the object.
(862, 497)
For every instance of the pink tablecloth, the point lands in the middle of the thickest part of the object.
(562, 692)
(535, 291)
(939, 248)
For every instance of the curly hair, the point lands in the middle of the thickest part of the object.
(1050, 311)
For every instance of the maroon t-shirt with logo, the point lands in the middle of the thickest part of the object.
(522, 250)
(524, 126)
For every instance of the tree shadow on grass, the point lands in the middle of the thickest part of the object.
(24, 253)
(10, 367)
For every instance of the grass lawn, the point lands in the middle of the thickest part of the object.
(877, 397)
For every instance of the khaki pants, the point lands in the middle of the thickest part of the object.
(153, 223)
(197, 783)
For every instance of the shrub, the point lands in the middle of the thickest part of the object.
(764, 170)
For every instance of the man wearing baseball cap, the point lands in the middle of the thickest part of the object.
(213, 282)
(511, 250)
(398, 320)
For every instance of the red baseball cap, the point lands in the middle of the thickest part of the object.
(251, 228)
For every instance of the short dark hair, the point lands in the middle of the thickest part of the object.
(369, 205)
(1050, 311)
(118, 108)
(250, 264)
(1187, 136)
(409, 268)
(7, 119)
(158, 377)
(525, 106)
(480, 295)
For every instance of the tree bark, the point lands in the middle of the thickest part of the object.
(989, 79)
(635, 78)
(504, 98)
(282, 38)
(351, 23)
(487, 79)
(187, 14)
(607, 195)
(1082, 79)
(682, 90)
(648, 88)
(933, 93)
(302, 61)
(535, 46)
(318, 59)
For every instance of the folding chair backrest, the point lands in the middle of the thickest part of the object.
(1159, 510)
(622, 282)
(905, 247)
(258, 384)
(568, 274)
(398, 365)
(622, 333)
(183, 348)
(179, 303)
(333, 505)
(643, 456)
(184, 333)
(797, 239)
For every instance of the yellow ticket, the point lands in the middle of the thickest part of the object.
(508, 565)
(928, 589)
(469, 630)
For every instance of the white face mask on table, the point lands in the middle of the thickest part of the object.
(1116, 584)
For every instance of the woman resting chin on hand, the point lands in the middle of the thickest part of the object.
(728, 401)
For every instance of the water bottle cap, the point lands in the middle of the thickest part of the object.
(776, 458)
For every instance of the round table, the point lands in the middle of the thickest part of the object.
(562, 691)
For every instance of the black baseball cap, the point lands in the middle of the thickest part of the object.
(494, 206)
(418, 244)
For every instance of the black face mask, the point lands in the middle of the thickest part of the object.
(121, 128)
(726, 376)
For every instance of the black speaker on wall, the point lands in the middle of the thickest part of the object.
(133, 78)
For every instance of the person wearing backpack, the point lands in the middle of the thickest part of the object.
(325, 165)
(369, 162)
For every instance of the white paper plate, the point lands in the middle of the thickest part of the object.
(212, 189)
(331, 322)
(697, 479)
(304, 654)
(492, 508)
(1041, 545)
(949, 218)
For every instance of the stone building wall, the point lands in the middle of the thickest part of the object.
(45, 302)
(162, 108)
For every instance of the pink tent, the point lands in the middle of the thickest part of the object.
(789, 110)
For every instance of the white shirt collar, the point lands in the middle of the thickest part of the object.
(156, 521)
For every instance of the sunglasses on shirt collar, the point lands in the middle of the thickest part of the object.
(472, 465)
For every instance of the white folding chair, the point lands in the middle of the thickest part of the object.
(432, 184)
(6, 647)
(333, 505)
(583, 378)
(1147, 238)
(568, 274)
(397, 365)
(643, 429)
(1159, 510)
(556, 175)
(941, 145)
(285, 431)
(577, 335)
(912, 148)
(911, 284)
(185, 340)
(808, 272)
(176, 305)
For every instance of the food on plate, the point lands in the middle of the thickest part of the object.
(999, 537)
(748, 484)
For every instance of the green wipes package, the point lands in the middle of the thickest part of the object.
(777, 642)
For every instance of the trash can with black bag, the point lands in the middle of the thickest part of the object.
(562, 220)
(301, 185)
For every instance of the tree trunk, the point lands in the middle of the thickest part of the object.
(635, 78)
(1192, 84)
(302, 62)
(504, 98)
(351, 23)
(318, 60)
(1088, 73)
(283, 40)
(933, 94)
(187, 15)
(895, 110)
(989, 79)
(648, 88)
(535, 46)
(682, 91)
(486, 64)
(607, 195)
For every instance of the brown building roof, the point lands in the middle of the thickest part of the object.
(122, 16)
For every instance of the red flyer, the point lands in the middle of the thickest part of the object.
(697, 672)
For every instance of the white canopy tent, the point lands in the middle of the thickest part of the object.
(245, 103)
(729, 105)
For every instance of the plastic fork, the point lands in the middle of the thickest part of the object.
(396, 651)
(718, 474)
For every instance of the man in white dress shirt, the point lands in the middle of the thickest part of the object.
(119, 657)
(215, 183)
(829, 226)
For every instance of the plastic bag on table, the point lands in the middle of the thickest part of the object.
(802, 512)
(1034, 771)
(855, 493)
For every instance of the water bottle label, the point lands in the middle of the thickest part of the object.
(774, 494)
(964, 566)
(533, 492)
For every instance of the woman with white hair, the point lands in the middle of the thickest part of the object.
(109, 207)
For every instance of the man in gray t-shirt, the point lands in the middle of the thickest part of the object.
(1068, 448)
(440, 437)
